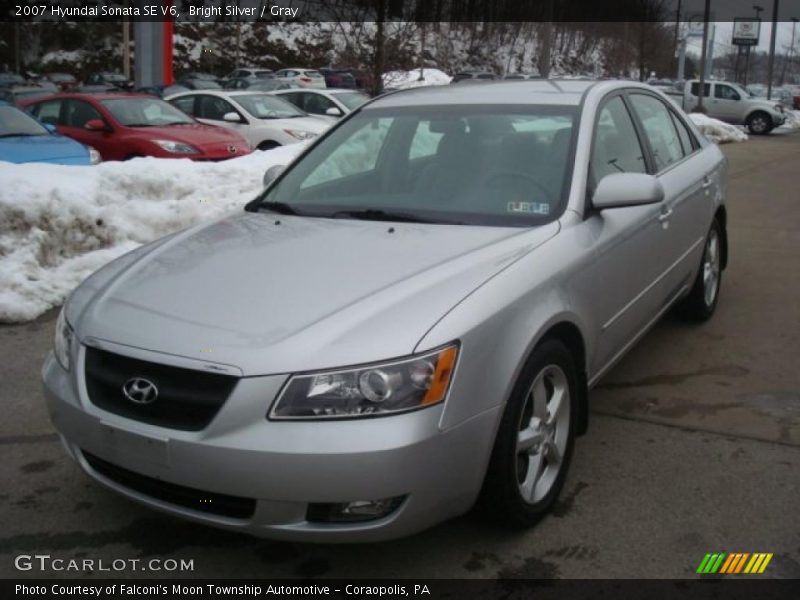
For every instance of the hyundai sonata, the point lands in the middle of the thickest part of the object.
(406, 321)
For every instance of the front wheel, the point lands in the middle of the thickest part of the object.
(535, 440)
(759, 123)
(701, 302)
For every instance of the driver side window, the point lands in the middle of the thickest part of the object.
(616, 147)
(725, 92)
(213, 108)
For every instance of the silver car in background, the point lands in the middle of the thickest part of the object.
(407, 321)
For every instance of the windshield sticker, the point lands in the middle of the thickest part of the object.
(529, 208)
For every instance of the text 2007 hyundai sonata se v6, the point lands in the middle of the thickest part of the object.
(405, 322)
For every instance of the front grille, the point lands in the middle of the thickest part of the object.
(207, 502)
(186, 400)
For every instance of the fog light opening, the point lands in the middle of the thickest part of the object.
(353, 512)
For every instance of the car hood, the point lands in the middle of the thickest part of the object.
(312, 124)
(275, 294)
(196, 134)
(42, 148)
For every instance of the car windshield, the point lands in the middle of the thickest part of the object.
(483, 165)
(267, 85)
(265, 74)
(145, 112)
(205, 84)
(352, 100)
(264, 106)
(14, 122)
(115, 77)
(61, 77)
(20, 94)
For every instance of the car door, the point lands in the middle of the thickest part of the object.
(621, 276)
(686, 210)
(726, 104)
(74, 116)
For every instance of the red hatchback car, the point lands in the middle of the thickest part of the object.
(122, 126)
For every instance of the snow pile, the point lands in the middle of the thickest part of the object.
(792, 119)
(717, 131)
(58, 224)
(409, 79)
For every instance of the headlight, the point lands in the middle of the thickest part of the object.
(300, 134)
(63, 340)
(176, 147)
(94, 156)
(372, 390)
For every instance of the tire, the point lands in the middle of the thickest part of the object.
(701, 302)
(268, 145)
(523, 479)
(759, 123)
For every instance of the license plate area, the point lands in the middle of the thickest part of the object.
(132, 449)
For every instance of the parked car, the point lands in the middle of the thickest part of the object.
(330, 103)
(23, 139)
(8, 79)
(795, 90)
(258, 85)
(162, 90)
(306, 78)
(468, 75)
(199, 83)
(264, 120)
(64, 81)
(110, 79)
(17, 94)
(250, 73)
(339, 78)
(518, 76)
(407, 319)
(731, 103)
(126, 125)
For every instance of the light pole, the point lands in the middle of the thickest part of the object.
(790, 58)
(772, 48)
(759, 10)
(702, 88)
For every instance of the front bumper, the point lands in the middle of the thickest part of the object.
(284, 466)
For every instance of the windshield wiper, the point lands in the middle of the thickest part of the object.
(277, 207)
(6, 135)
(374, 214)
(176, 123)
(141, 125)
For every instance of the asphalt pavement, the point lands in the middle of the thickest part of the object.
(693, 447)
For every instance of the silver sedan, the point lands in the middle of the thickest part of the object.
(405, 323)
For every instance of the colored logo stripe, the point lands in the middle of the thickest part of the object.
(734, 563)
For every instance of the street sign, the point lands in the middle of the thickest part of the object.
(694, 24)
(746, 31)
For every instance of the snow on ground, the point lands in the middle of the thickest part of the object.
(792, 119)
(716, 130)
(409, 79)
(58, 224)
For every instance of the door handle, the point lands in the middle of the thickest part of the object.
(706, 183)
(665, 214)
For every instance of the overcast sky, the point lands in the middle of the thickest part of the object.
(722, 39)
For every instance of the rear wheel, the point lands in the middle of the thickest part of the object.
(535, 440)
(759, 123)
(701, 302)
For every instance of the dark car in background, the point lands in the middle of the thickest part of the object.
(64, 81)
(9, 79)
(200, 81)
(110, 79)
(467, 75)
(162, 91)
(122, 126)
(269, 84)
(17, 94)
(338, 78)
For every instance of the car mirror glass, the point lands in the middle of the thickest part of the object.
(95, 125)
(627, 189)
(232, 117)
(272, 174)
(333, 112)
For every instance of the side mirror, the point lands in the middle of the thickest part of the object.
(95, 125)
(231, 117)
(272, 173)
(333, 112)
(627, 189)
(50, 127)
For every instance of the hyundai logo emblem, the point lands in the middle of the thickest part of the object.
(140, 391)
(232, 149)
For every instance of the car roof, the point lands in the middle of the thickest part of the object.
(521, 91)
